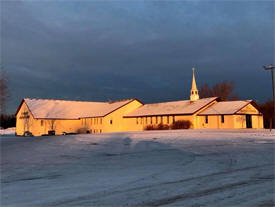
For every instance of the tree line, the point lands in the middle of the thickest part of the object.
(6, 120)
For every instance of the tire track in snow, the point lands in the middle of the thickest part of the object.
(80, 200)
(49, 177)
(192, 178)
(206, 192)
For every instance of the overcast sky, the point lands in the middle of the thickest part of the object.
(108, 50)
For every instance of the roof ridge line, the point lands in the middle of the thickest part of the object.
(66, 100)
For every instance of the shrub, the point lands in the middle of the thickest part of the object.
(162, 127)
(158, 127)
(149, 127)
(82, 131)
(181, 124)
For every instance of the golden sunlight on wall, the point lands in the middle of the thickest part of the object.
(233, 121)
(116, 122)
(113, 122)
(26, 122)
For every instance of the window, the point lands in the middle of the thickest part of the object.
(41, 122)
(167, 119)
(156, 119)
(206, 119)
(151, 120)
(161, 119)
(222, 118)
(111, 121)
(145, 120)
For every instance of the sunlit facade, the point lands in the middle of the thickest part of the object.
(42, 116)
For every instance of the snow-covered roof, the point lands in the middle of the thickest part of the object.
(170, 108)
(225, 107)
(64, 109)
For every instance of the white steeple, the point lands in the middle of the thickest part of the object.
(194, 93)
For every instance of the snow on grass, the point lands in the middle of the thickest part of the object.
(8, 131)
(151, 168)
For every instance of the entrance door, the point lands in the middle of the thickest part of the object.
(248, 121)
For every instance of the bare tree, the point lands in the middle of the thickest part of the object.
(52, 124)
(4, 91)
(205, 91)
(267, 110)
(223, 90)
(26, 117)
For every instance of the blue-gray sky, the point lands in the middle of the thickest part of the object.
(108, 50)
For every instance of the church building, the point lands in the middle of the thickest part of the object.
(43, 116)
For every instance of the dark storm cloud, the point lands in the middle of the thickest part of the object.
(111, 50)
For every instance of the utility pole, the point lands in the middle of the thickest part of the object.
(271, 68)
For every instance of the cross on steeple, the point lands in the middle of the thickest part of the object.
(194, 93)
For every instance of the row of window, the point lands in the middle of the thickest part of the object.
(94, 131)
(93, 121)
(222, 119)
(140, 120)
(155, 120)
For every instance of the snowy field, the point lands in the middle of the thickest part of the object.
(154, 168)
(9, 131)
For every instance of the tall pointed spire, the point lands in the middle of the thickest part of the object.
(194, 93)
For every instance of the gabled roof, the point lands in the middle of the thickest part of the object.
(171, 108)
(64, 109)
(226, 107)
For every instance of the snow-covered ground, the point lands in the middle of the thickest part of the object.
(9, 131)
(152, 168)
